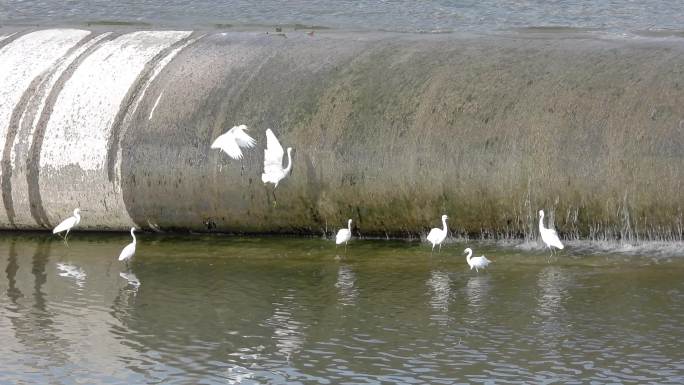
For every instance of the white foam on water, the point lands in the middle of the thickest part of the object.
(79, 128)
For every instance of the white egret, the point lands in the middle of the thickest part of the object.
(477, 262)
(129, 251)
(549, 236)
(68, 224)
(232, 141)
(344, 235)
(437, 235)
(273, 161)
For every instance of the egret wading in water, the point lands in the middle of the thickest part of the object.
(68, 224)
(437, 235)
(273, 162)
(344, 235)
(549, 236)
(477, 262)
(233, 141)
(129, 251)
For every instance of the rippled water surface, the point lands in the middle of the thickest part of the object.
(220, 309)
(403, 15)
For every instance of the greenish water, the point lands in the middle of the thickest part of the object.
(220, 309)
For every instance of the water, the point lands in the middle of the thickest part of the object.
(405, 15)
(219, 309)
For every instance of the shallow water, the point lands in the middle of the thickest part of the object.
(221, 309)
(406, 16)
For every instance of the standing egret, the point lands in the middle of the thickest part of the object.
(344, 235)
(68, 224)
(437, 235)
(549, 236)
(129, 251)
(273, 162)
(477, 262)
(232, 141)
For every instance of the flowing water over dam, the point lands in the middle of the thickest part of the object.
(391, 130)
(212, 309)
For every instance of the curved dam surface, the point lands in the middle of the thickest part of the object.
(391, 130)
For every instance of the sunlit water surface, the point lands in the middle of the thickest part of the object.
(221, 309)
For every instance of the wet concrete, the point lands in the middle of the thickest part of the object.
(391, 130)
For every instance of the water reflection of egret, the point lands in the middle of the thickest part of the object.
(440, 287)
(131, 279)
(288, 332)
(477, 289)
(72, 271)
(345, 285)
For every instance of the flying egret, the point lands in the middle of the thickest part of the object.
(477, 262)
(273, 162)
(129, 251)
(344, 235)
(232, 141)
(549, 236)
(68, 224)
(437, 235)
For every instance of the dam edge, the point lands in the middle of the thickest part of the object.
(390, 130)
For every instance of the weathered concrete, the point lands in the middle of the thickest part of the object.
(390, 130)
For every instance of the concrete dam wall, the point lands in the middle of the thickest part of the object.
(390, 130)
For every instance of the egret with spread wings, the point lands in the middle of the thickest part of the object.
(233, 141)
(273, 162)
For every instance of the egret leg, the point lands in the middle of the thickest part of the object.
(275, 200)
(440, 248)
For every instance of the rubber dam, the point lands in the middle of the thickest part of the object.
(391, 130)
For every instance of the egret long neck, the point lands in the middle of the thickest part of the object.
(541, 223)
(444, 225)
(133, 235)
(289, 163)
(349, 226)
(470, 254)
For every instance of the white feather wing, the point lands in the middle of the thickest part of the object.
(228, 144)
(273, 154)
(242, 138)
(65, 225)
